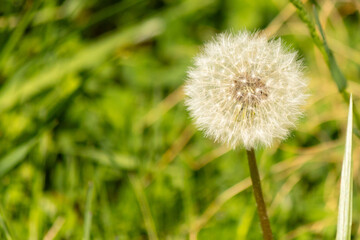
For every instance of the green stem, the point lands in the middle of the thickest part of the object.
(261, 208)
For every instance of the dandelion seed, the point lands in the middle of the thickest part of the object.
(257, 86)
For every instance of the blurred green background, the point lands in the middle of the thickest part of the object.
(95, 142)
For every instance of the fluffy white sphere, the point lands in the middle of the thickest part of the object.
(246, 90)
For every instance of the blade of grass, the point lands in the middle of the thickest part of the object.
(305, 17)
(245, 223)
(92, 55)
(14, 157)
(110, 159)
(284, 168)
(356, 119)
(322, 45)
(17, 34)
(55, 229)
(4, 226)
(346, 187)
(144, 207)
(88, 214)
(327, 53)
(111, 10)
(17, 154)
(335, 71)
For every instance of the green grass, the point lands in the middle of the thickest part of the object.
(90, 91)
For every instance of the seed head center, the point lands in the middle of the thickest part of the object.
(249, 90)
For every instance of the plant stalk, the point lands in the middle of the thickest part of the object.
(261, 208)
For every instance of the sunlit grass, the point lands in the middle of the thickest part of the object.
(91, 92)
(346, 187)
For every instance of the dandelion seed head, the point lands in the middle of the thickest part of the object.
(246, 90)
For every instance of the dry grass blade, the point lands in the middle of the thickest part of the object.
(165, 105)
(219, 201)
(317, 227)
(208, 157)
(55, 229)
(176, 148)
(277, 169)
(275, 25)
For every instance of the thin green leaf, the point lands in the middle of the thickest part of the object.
(144, 207)
(335, 71)
(108, 159)
(356, 115)
(14, 157)
(329, 58)
(18, 33)
(5, 227)
(357, 132)
(88, 214)
(346, 187)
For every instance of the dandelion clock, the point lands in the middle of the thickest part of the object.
(246, 91)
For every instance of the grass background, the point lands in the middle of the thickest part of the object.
(95, 142)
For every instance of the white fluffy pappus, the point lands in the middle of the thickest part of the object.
(246, 90)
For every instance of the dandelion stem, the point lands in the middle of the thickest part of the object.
(261, 208)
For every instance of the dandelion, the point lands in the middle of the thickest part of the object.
(247, 90)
